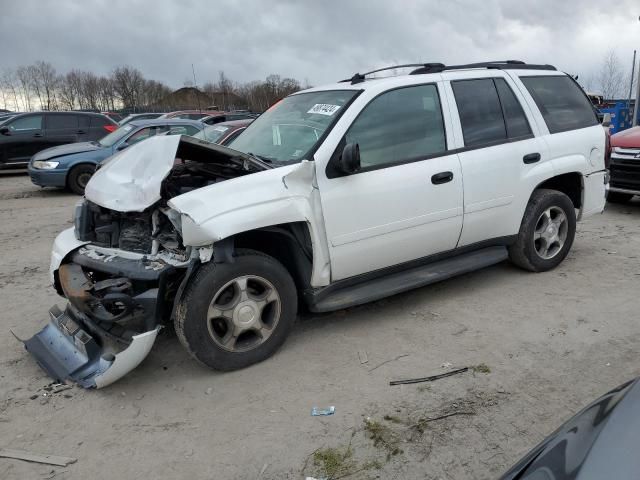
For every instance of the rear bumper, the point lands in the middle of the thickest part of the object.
(48, 178)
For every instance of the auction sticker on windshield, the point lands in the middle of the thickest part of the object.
(324, 109)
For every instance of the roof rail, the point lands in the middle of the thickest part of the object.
(424, 68)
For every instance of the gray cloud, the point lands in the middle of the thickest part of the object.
(321, 41)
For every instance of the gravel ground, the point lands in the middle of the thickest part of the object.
(547, 344)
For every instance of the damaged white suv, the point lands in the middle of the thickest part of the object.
(335, 196)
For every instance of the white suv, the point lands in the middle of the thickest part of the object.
(335, 196)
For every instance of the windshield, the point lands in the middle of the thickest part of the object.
(212, 134)
(289, 130)
(115, 136)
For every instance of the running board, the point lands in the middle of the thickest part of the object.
(336, 298)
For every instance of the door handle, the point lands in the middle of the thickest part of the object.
(531, 158)
(81, 131)
(442, 177)
(37, 135)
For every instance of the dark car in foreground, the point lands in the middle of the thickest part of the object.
(601, 442)
(73, 165)
(223, 133)
(625, 165)
(24, 135)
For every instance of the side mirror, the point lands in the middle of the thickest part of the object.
(4, 130)
(122, 146)
(349, 161)
(606, 120)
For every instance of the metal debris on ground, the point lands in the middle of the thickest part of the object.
(362, 355)
(37, 457)
(429, 379)
(321, 412)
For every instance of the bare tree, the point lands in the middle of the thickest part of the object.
(23, 75)
(128, 84)
(9, 84)
(48, 80)
(610, 79)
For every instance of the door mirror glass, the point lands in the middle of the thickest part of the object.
(349, 161)
(606, 120)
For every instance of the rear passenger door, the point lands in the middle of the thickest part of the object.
(496, 147)
(60, 129)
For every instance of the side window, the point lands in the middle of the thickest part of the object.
(515, 119)
(83, 122)
(191, 130)
(57, 121)
(480, 111)
(141, 135)
(399, 125)
(227, 141)
(32, 122)
(99, 121)
(562, 104)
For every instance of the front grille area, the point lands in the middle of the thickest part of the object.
(625, 168)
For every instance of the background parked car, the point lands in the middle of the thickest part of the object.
(191, 114)
(73, 165)
(228, 117)
(116, 117)
(223, 133)
(625, 165)
(26, 134)
(139, 116)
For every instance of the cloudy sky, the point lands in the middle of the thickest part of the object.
(320, 41)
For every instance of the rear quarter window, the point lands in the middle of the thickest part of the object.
(563, 105)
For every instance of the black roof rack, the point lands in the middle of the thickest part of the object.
(424, 68)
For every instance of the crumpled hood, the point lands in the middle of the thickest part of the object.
(130, 181)
(69, 149)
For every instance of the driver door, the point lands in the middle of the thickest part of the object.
(405, 203)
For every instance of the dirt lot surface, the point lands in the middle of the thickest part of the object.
(547, 344)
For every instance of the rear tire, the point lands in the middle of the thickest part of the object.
(235, 314)
(546, 232)
(79, 176)
(618, 197)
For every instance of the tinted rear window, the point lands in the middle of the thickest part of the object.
(100, 121)
(514, 117)
(562, 104)
(62, 122)
(480, 111)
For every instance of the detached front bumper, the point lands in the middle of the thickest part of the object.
(67, 352)
(115, 310)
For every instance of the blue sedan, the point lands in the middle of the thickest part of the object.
(73, 165)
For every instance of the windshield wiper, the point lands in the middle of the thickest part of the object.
(261, 157)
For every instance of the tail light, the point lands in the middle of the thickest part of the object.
(110, 128)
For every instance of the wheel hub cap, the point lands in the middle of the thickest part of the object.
(243, 313)
(550, 233)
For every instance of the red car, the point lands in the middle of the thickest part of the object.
(625, 165)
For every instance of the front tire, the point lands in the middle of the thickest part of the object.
(235, 314)
(547, 232)
(79, 176)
